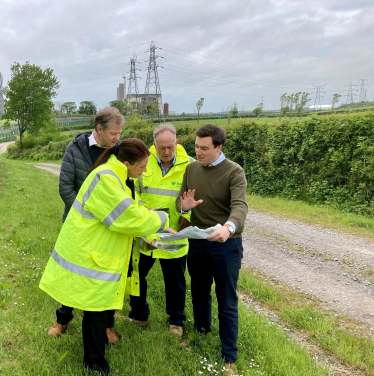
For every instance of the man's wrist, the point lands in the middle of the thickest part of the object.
(230, 229)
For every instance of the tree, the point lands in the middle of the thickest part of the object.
(121, 105)
(234, 112)
(257, 111)
(57, 107)
(69, 107)
(303, 99)
(153, 110)
(199, 104)
(87, 107)
(29, 97)
(285, 110)
(335, 100)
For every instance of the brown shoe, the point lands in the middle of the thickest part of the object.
(139, 324)
(228, 369)
(112, 336)
(57, 329)
(176, 331)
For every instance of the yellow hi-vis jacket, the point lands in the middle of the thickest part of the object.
(89, 265)
(160, 192)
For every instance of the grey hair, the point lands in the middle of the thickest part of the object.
(163, 128)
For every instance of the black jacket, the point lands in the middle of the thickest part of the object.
(75, 165)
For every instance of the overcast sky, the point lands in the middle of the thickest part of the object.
(233, 51)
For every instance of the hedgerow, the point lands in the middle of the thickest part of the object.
(318, 159)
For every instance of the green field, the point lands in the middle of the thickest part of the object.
(31, 212)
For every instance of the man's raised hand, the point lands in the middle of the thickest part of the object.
(188, 200)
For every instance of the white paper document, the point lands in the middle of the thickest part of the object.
(170, 247)
(191, 232)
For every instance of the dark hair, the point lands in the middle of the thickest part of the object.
(209, 130)
(131, 150)
(107, 115)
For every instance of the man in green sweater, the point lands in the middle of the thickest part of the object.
(215, 189)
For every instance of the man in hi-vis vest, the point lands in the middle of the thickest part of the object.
(158, 188)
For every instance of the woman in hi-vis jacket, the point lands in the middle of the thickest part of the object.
(88, 268)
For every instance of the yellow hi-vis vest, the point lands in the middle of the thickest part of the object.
(160, 192)
(89, 265)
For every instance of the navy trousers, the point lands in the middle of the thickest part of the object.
(208, 261)
(175, 289)
(94, 326)
(65, 315)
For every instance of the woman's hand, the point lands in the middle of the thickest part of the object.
(169, 229)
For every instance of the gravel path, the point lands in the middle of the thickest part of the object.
(330, 266)
(53, 168)
(4, 145)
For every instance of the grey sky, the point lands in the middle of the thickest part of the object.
(224, 51)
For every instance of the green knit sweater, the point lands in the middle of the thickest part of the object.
(224, 190)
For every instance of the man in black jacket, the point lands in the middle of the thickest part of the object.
(80, 155)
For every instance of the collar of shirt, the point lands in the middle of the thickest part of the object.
(164, 172)
(220, 159)
(92, 141)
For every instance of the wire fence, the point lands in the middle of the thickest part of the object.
(9, 134)
(70, 122)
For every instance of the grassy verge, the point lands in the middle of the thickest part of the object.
(323, 216)
(299, 312)
(30, 221)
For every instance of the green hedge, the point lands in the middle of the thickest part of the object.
(319, 159)
(327, 160)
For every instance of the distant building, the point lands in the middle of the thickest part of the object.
(321, 107)
(166, 108)
(172, 113)
(121, 91)
(144, 99)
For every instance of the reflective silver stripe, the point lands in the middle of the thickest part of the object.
(95, 180)
(117, 211)
(161, 192)
(141, 202)
(80, 209)
(191, 159)
(140, 180)
(137, 188)
(163, 218)
(85, 272)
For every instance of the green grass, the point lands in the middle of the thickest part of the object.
(323, 216)
(30, 220)
(298, 312)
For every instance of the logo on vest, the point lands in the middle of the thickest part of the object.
(176, 183)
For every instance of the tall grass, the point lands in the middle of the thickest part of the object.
(30, 215)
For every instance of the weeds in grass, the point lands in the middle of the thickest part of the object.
(300, 313)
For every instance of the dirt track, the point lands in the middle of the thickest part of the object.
(330, 266)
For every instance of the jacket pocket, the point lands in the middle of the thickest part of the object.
(147, 177)
(106, 261)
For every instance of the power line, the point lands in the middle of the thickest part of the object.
(152, 86)
(133, 80)
(317, 98)
(350, 95)
(362, 97)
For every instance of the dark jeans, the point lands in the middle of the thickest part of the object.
(175, 289)
(94, 326)
(65, 315)
(219, 261)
